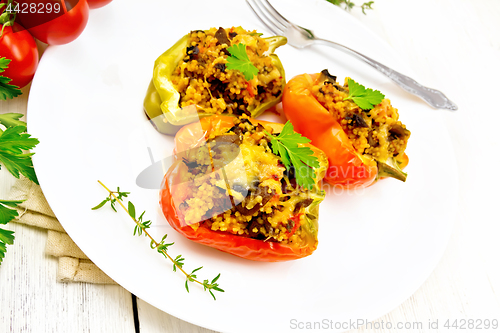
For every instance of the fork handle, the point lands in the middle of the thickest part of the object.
(433, 97)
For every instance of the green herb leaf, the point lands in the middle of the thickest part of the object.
(366, 5)
(7, 214)
(348, 4)
(11, 203)
(7, 236)
(7, 211)
(215, 287)
(7, 90)
(131, 210)
(240, 61)
(13, 141)
(196, 269)
(215, 278)
(11, 119)
(101, 204)
(302, 158)
(365, 98)
(4, 64)
(19, 164)
(178, 262)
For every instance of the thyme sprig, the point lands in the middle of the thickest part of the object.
(112, 198)
(161, 247)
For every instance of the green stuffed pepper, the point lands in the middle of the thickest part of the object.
(192, 79)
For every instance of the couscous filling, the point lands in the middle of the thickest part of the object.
(202, 78)
(240, 187)
(377, 133)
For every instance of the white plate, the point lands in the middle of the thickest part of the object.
(376, 247)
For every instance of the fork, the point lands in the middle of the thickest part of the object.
(300, 38)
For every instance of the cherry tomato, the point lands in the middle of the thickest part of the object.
(97, 3)
(20, 47)
(65, 28)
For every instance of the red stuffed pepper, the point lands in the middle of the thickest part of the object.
(362, 145)
(228, 190)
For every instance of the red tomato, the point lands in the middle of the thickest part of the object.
(20, 47)
(66, 28)
(97, 3)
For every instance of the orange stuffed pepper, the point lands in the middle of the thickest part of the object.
(362, 145)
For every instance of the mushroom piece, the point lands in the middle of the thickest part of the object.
(327, 77)
(222, 38)
(399, 131)
(263, 192)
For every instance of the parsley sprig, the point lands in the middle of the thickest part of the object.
(286, 145)
(13, 142)
(161, 247)
(7, 90)
(365, 98)
(239, 60)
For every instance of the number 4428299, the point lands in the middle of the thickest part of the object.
(471, 324)
(33, 8)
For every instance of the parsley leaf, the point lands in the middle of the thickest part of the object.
(240, 61)
(7, 214)
(4, 63)
(11, 119)
(302, 158)
(365, 98)
(19, 164)
(6, 237)
(7, 90)
(13, 142)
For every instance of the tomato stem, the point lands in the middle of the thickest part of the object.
(7, 18)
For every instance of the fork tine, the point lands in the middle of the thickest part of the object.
(266, 18)
(264, 15)
(275, 13)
